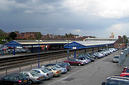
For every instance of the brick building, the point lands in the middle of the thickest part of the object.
(27, 35)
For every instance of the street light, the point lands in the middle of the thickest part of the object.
(38, 52)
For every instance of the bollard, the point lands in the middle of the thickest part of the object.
(19, 68)
(31, 66)
(6, 71)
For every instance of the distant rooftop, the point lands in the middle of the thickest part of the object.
(100, 39)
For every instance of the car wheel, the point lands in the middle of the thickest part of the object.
(79, 64)
(30, 82)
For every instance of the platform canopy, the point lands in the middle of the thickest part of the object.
(13, 44)
(88, 44)
(74, 45)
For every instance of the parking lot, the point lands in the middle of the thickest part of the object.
(92, 74)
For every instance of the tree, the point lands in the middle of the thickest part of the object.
(1, 31)
(12, 35)
(125, 40)
(3, 37)
(38, 35)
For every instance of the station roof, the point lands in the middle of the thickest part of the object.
(68, 44)
(13, 44)
(41, 42)
(16, 43)
(88, 44)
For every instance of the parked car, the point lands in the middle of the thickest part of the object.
(116, 80)
(125, 72)
(98, 55)
(126, 69)
(64, 65)
(74, 62)
(115, 59)
(33, 76)
(15, 79)
(43, 71)
(63, 70)
(55, 70)
(84, 59)
(91, 57)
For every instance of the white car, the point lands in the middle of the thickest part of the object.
(48, 74)
(83, 61)
(33, 76)
(115, 59)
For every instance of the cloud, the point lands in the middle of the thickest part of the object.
(29, 6)
(83, 17)
(119, 29)
(77, 31)
(6, 5)
(101, 8)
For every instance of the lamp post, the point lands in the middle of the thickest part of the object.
(106, 46)
(38, 53)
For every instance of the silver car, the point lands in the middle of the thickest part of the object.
(63, 70)
(48, 74)
(33, 76)
(115, 59)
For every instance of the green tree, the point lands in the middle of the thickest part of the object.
(125, 40)
(3, 37)
(38, 35)
(1, 31)
(12, 35)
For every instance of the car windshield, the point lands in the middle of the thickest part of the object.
(72, 59)
(33, 73)
(44, 70)
(21, 76)
(127, 70)
(57, 66)
(115, 82)
(61, 64)
(48, 69)
(116, 57)
(54, 68)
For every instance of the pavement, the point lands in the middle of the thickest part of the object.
(126, 61)
(91, 74)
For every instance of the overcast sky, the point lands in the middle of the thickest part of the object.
(84, 17)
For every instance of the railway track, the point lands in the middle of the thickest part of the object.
(22, 61)
(33, 59)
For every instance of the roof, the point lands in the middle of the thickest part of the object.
(74, 45)
(91, 43)
(13, 44)
(87, 44)
(118, 78)
(42, 42)
(16, 43)
(100, 39)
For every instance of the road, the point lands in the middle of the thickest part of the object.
(92, 74)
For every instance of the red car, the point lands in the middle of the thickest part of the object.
(125, 72)
(74, 62)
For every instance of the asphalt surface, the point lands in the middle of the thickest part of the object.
(91, 74)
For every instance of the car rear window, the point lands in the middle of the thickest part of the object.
(127, 70)
(116, 56)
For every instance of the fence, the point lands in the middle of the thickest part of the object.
(124, 58)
